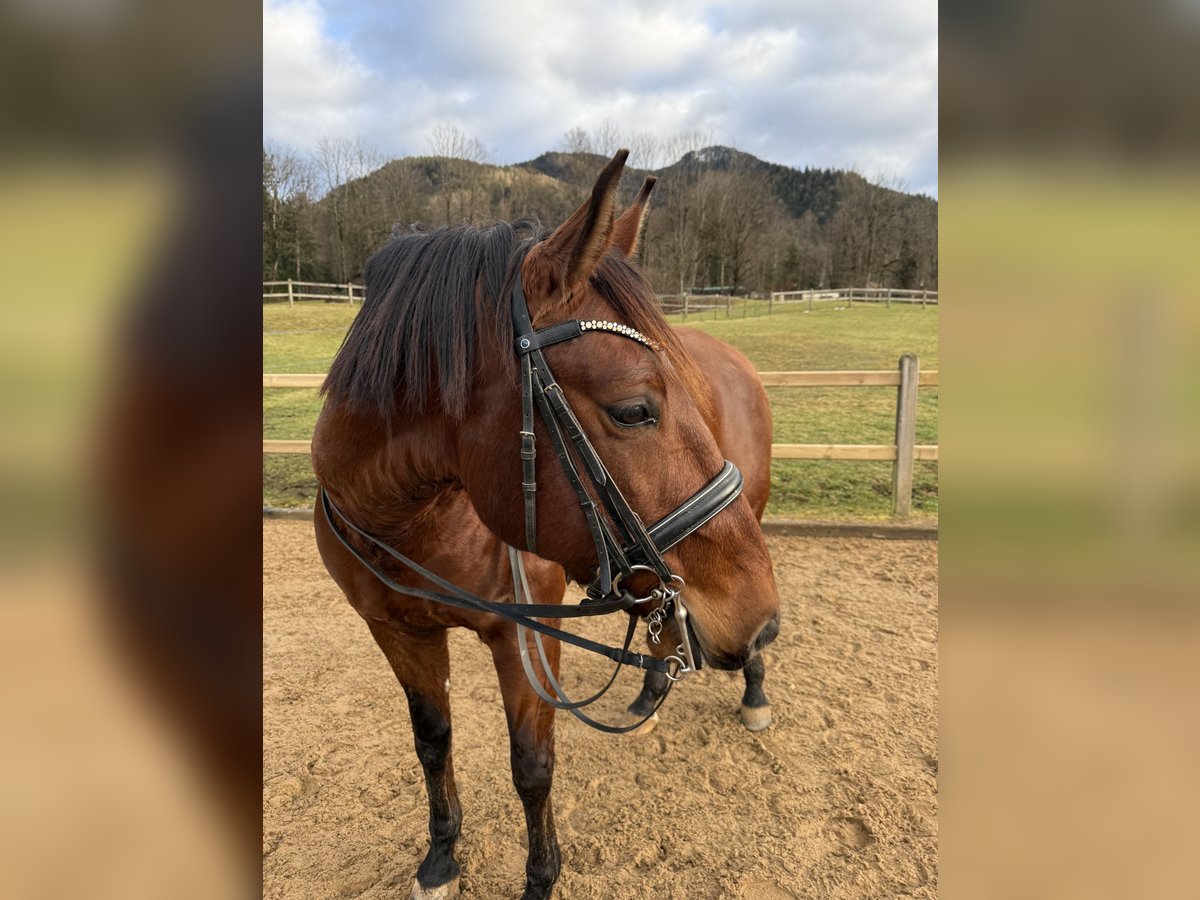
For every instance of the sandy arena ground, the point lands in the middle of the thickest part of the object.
(838, 798)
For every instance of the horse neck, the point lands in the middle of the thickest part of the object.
(386, 475)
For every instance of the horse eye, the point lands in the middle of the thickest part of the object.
(631, 415)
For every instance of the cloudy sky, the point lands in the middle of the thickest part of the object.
(841, 83)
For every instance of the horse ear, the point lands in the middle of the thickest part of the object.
(628, 227)
(563, 262)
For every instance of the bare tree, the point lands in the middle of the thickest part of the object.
(685, 216)
(577, 140)
(398, 194)
(367, 223)
(645, 148)
(681, 144)
(607, 138)
(333, 164)
(339, 161)
(452, 142)
(869, 231)
(884, 225)
(811, 254)
(302, 200)
(287, 169)
(684, 220)
(745, 205)
(281, 166)
(461, 180)
(290, 184)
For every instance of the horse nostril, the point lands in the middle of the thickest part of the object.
(768, 633)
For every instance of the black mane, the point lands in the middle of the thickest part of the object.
(433, 297)
(429, 295)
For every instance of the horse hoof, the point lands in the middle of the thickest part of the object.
(441, 892)
(756, 718)
(646, 727)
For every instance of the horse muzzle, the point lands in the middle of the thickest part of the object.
(727, 661)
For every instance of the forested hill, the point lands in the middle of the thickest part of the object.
(719, 217)
(800, 190)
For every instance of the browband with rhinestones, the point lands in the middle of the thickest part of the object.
(617, 328)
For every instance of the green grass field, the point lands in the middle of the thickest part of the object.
(305, 339)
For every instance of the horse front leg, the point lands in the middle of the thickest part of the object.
(756, 709)
(421, 662)
(654, 686)
(531, 745)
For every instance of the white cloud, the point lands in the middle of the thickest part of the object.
(312, 85)
(800, 82)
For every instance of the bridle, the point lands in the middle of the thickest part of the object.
(620, 554)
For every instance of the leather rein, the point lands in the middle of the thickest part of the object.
(620, 554)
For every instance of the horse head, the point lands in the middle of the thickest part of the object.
(643, 406)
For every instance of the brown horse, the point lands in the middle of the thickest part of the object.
(417, 444)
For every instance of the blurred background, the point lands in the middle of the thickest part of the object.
(129, 417)
(1070, 515)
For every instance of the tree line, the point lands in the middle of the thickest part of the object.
(720, 218)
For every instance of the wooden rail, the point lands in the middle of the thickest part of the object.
(293, 381)
(876, 452)
(320, 290)
(770, 379)
(842, 379)
(866, 295)
(287, 446)
(756, 304)
(906, 379)
(686, 304)
(860, 452)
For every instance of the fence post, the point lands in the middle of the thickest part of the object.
(350, 293)
(685, 305)
(810, 293)
(889, 298)
(770, 300)
(291, 300)
(727, 301)
(924, 297)
(906, 435)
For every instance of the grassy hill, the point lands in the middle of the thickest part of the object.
(553, 184)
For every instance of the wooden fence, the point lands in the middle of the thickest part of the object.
(906, 378)
(887, 296)
(714, 305)
(291, 291)
(696, 305)
(678, 304)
